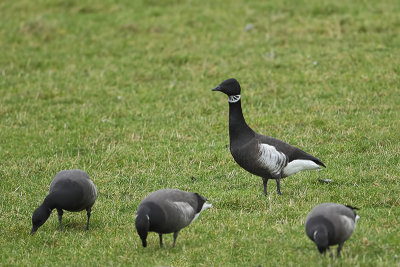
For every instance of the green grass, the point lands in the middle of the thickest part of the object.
(122, 89)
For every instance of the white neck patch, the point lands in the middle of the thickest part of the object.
(147, 216)
(233, 98)
(315, 235)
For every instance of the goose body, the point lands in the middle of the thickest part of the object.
(70, 190)
(330, 224)
(261, 155)
(168, 211)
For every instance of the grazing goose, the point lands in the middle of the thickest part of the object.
(261, 155)
(168, 211)
(70, 190)
(330, 224)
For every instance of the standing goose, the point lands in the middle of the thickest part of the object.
(261, 155)
(168, 211)
(70, 190)
(330, 224)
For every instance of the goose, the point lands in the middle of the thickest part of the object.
(168, 211)
(331, 224)
(70, 190)
(261, 155)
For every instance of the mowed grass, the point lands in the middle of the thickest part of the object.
(122, 90)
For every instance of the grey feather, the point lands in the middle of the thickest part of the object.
(338, 221)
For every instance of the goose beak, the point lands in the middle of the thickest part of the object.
(218, 88)
(33, 231)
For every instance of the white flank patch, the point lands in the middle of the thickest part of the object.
(94, 192)
(205, 206)
(299, 165)
(271, 158)
(186, 209)
(348, 223)
(357, 217)
(195, 217)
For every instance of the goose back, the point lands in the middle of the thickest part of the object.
(291, 152)
(340, 221)
(72, 190)
(170, 210)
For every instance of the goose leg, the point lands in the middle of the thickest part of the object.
(160, 235)
(88, 212)
(265, 181)
(175, 236)
(339, 248)
(60, 214)
(278, 187)
(330, 252)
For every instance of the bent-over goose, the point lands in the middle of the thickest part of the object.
(168, 211)
(70, 190)
(261, 155)
(331, 224)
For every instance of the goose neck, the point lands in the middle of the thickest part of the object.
(50, 201)
(238, 127)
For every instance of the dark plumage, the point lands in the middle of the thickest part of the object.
(168, 211)
(331, 224)
(261, 155)
(70, 190)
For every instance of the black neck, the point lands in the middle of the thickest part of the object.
(239, 131)
(143, 210)
(50, 201)
(321, 225)
(321, 238)
(155, 213)
(142, 224)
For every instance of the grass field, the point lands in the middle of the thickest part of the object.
(122, 89)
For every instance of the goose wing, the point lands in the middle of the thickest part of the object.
(291, 152)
